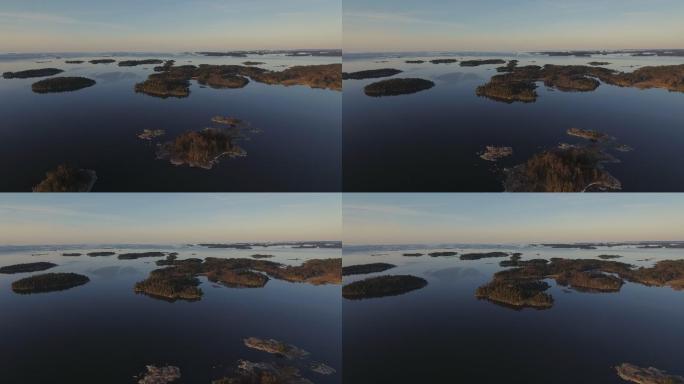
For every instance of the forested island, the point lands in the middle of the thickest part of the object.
(49, 282)
(179, 280)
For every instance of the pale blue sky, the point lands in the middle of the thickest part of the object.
(168, 25)
(511, 218)
(167, 218)
(507, 25)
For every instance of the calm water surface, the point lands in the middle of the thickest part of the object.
(298, 147)
(429, 141)
(103, 332)
(442, 333)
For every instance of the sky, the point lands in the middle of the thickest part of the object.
(501, 218)
(168, 25)
(511, 26)
(169, 218)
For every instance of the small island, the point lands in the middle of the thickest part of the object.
(67, 179)
(73, 254)
(475, 63)
(49, 282)
(443, 254)
(262, 256)
(370, 74)
(396, 87)
(27, 267)
(588, 134)
(516, 294)
(412, 254)
(150, 134)
(103, 253)
(74, 61)
(250, 63)
(571, 169)
(62, 84)
(172, 82)
(201, 149)
(160, 375)
(492, 153)
(598, 63)
(102, 61)
(635, 374)
(275, 347)
(43, 72)
(363, 269)
(177, 282)
(483, 255)
(609, 257)
(382, 286)
(229, 121)
(415, 61)
(264, 373)
(443, 61)
(133, 63)
(138, 255)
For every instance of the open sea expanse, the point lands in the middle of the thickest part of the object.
(103, 332)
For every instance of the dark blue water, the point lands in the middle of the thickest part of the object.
(103, 332)
(442, 333)
(298, 148)
(429, 141)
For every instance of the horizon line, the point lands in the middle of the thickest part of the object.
(521, 243)
(181, 243)
(178, 51)
(518, 51)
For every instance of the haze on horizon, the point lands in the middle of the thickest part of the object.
(511, 26)
(168, 25)
(497, 218)
(167, 218)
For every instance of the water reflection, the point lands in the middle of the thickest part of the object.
(418, 336)
(103, 331)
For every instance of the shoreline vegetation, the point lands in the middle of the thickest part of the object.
(48, 282)
(363, 269)
(370, 74)
(27, 267)
(563, 169)
(29, 73)
(62, 84)
(203, 149)
(382, 286)
(396, 87)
